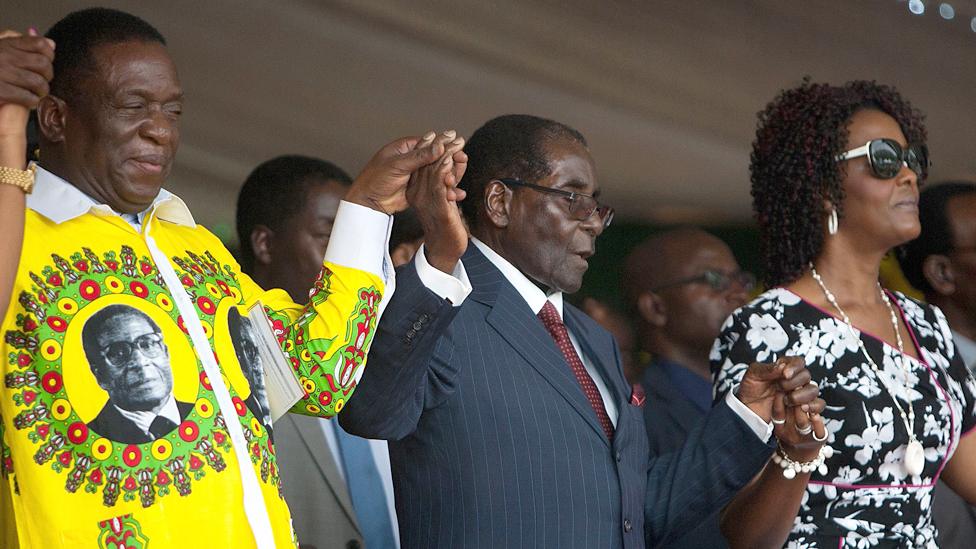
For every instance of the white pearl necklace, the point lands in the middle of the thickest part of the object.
(914, 461)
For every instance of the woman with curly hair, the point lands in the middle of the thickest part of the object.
(835, 175)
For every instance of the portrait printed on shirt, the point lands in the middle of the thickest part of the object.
(130, 360)
(245, 341)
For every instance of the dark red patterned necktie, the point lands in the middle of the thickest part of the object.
(554, 325)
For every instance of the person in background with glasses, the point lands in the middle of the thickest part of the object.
(130, 361)
(835, 177)
(941, 263)
(509, 418)
(681, 285)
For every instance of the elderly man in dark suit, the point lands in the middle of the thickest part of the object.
(126, 352)
(510, 419)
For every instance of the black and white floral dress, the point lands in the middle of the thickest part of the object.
(866, 499)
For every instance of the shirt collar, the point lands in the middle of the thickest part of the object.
(966, 348)
(531, 293)
(60, 201)
(144, 420)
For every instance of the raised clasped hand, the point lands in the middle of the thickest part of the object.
(383, 182)
(434, 196)
(782, 392)
(25, 70)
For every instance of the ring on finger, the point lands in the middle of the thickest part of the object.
(804, 430)
(819, 439)
(778, 421)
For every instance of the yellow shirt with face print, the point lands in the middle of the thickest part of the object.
(119, 434)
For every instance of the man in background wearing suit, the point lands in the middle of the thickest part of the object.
(681, 285)
(285, 213)
(941, 263)
(509, 417)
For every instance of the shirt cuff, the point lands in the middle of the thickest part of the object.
(758, 425)
(453, 287)
(360, 238)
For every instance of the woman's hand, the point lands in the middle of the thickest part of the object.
(25, 70)
(797, 420)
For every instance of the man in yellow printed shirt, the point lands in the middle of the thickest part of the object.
(92, 453)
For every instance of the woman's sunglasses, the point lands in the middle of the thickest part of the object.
(886, 157)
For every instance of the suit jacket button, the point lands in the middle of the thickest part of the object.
(619, 457)
(627, 525)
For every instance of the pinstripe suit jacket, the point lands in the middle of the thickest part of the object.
(495, 444)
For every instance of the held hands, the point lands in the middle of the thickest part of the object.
(782, 392)
(434, 195)
(25, 70)
(383, 182)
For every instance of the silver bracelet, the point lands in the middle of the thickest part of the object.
(792, 468)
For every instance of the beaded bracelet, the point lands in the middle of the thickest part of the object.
(792, 468)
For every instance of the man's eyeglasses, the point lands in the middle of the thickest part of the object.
(886, 156)
(716, 280)
(119, 354)
(581, 206)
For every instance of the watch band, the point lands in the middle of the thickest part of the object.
(23, 179)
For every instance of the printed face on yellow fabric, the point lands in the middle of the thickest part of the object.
(118, 140)
(544, 241)
(245, 341)
(126, 352)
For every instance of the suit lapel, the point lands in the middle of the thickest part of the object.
(314, 439)
(514, 321)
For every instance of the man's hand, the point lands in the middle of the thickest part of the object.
(433, 194)
(382, 183)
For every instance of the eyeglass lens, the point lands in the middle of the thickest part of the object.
(720, 281)
(120, 352)
(887, 157)
(582, 207)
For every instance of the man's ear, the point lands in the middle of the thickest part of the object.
(498, 198)
(51, 114)
(652, 309)
(939, 273)
(262, 243)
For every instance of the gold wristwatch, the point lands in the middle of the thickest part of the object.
(24, 179)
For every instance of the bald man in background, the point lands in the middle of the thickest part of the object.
(681, 285)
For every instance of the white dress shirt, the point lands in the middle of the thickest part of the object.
(967, 350)
(143, 420)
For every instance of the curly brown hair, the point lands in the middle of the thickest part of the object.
(793, 169)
